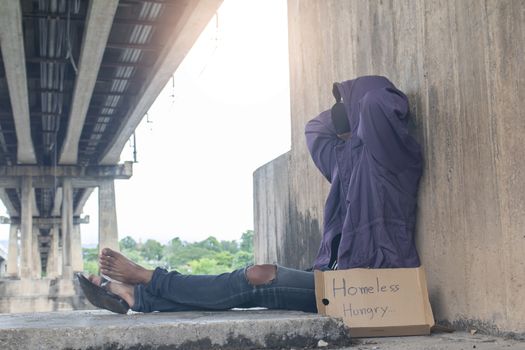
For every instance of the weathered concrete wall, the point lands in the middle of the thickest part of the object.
(279, 219)
(462, 65)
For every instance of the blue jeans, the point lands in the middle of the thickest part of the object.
(171, 291)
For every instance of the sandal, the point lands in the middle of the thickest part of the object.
(100, 297)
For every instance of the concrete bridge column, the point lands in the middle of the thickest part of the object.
(67, 228)
(60, 256)
(107, 219)
(12, 253)
(26, 227)
(36, 270)
(76, 250)
(52, 257)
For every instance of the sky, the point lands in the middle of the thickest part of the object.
(224, 113)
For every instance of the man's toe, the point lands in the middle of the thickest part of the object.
(96, 280)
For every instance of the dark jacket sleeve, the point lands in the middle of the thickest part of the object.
(382, 127)
(321, 140)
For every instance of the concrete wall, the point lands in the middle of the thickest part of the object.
(462, 65)
(278, 218)
(3, 266)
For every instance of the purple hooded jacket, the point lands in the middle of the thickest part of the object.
(374, 177)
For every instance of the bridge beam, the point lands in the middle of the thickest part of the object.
(119, 171)
(11, 210)
(50, 177)
(12, 42)
(193, 19)
(83, 199)
(98, 26)
(48, 222)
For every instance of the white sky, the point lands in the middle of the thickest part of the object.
(226, 114)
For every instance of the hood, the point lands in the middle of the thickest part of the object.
(353, 91)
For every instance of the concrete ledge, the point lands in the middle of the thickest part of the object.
(183, 330)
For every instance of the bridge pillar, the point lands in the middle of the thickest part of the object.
(60, 256)
(36, 270)
(26, 227)
(76, 250)
(12, 253)
(52, 257)
(67, 228)
(107, 217)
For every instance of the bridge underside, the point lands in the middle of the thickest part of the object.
(76, 78)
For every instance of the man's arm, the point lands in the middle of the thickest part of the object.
(321, 139)
(382, 128)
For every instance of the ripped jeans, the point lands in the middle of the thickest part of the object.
(171, 291)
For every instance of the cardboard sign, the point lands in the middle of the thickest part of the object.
(376, 302)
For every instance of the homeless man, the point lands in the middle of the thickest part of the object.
(363, 148)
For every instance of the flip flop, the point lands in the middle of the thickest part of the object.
(101, 297)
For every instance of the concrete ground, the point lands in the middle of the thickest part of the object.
(440, 341)
(253, 329)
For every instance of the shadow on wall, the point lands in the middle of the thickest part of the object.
(301, 246)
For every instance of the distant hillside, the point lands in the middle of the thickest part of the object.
(89, 245)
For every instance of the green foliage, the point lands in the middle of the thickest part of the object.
(230, 246)
(209, 256)
(127, 243)
(242, 259)
(138, 257)
(206, 266)
(210, 243)
(90, 254)
(90, 267)
(247, 241)
(152, 250)
(224, 258)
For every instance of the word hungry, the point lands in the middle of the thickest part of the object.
(369, 312)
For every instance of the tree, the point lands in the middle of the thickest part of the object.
(230, 246)
(241, 259)
(137, 257)
(224, 258)
(90, 253)
(127, 243)
(90, 256)
(206, 266)
(210, 243)
(247, 241)
(208, 256)
(152, 250)
(91, 267)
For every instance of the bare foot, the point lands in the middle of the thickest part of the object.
(117, 266)
(125, 291)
